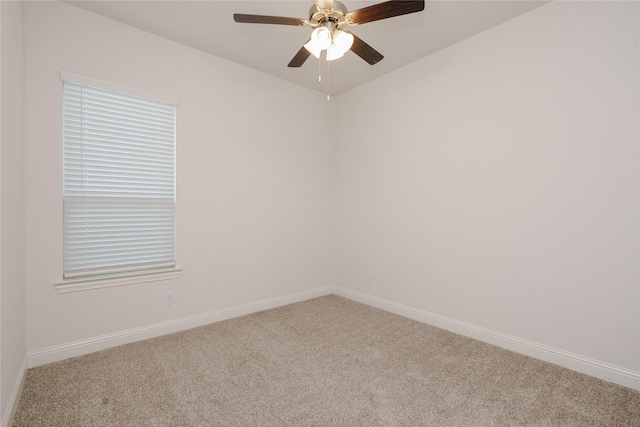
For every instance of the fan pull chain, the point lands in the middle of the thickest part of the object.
(328, 81)
(320, 69)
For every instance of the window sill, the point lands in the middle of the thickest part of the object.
(75, 285)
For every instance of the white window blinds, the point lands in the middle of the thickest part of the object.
(119, 182)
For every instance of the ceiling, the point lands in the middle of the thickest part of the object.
(209, 26)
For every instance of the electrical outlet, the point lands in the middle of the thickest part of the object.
(168, 298)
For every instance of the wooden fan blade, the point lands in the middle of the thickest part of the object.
(365, 51)
(300, 57)
(384, 10)
(263, 19)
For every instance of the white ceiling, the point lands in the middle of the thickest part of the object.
(209, 26)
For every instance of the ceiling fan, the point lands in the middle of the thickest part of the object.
(328, 18)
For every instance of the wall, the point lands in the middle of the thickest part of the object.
(493, 186)
(12, 256)
(253, 184)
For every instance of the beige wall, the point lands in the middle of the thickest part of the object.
(495, 183)
(254, 190)
(12, 247)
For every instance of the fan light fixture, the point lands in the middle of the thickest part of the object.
(336, 43)
(341, 43)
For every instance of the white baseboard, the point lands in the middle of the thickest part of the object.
(12, 405)
(90, 345)
(585, 365)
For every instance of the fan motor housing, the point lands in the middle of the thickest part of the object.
(337, 16)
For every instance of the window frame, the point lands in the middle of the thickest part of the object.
(123, 277)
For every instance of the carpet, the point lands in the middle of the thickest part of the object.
(327, 361)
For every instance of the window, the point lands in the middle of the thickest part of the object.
(119, 193)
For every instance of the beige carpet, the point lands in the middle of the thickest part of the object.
(326, 362)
